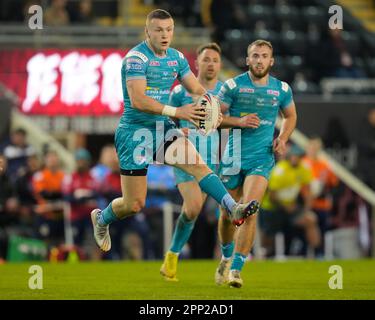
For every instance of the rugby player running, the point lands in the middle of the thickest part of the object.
(253, 99)
(148, 73)
(208, 64)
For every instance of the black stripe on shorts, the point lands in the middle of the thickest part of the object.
(135, 172)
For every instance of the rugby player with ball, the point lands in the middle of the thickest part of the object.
(148, 73)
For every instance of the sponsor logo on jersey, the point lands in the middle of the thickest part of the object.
(136, 66)
(231, 83)
(137, 54)
(154, 63)
(260, 101)
(266, 122)
(181, 54)
(157, 93)
(246, 90)
(225, 179)
(284, 86)
(172, 63)
(164, 76)
(133, 60)
(273, 92)
(152, 90)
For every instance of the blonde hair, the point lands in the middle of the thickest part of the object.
(260, 43)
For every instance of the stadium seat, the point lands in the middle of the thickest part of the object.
(263, 2)
(236, 42)
(299, 3)
(269, 35)
(370, 67)
(314, 14)
(352, 42)
(291, 15)
(293, 42)
(294, 63)
(314, 34)
(242, 37)
(358, 62)
(301, 84)
(260, 13)
(279, 70)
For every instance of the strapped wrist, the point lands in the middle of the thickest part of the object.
(169, 111)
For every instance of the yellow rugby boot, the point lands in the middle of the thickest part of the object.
(169, 267)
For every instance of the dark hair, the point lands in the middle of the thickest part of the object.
(158, 14)
(260, 43)
(20, 131)
(211, 45)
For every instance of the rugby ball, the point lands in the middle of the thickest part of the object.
(211, 105)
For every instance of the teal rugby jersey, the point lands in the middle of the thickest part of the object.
(244, 97)
(160, 73)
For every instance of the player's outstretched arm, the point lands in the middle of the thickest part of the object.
(249, 121)
(142, 102)
(193, 86)
(288, 124)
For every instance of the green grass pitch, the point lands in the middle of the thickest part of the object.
(141, 280)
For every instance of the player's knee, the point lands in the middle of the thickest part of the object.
(309, 220)
(135, 206)
(199, 171)
(138, 205)
(251, 220)
(202, 167)
(194, 169)
(192, 209)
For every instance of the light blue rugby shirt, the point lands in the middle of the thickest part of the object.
(160, 73)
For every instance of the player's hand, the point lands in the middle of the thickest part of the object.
(279, 146)
(2, 164)
(191, 112)
(249, 121)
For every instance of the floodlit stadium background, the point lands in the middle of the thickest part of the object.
(61, 85)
